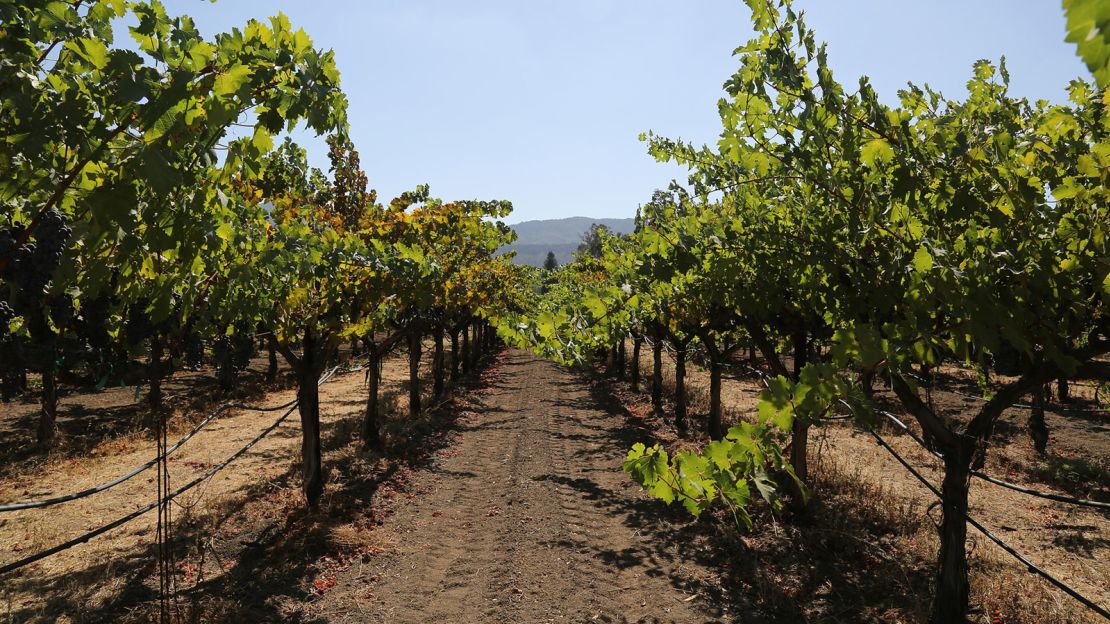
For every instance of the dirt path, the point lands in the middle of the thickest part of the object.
(528, 518)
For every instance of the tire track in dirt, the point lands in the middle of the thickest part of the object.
(528, 518)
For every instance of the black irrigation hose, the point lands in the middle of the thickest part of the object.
(1061, 410)
(15, 565)
(985, 477)
(1006, 484)
(1048, 495)
(142, 510)
(1030, 566)
(137, 471)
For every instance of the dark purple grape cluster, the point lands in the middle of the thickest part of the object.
(138, 326)
(243, 349)
(7, 315)
(13, 378)
(31, 265)
(29, 261)
(93, 324)
(62, 311)
(9, 241)
(222, 350)
(10, 250)
(193, 350)
(232, 354)
(34, 263)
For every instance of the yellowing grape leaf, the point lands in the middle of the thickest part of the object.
(876, 151)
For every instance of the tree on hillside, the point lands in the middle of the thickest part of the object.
(591, 244)
(550, 263)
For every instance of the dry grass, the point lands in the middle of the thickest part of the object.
(872, 529)
(247, 549)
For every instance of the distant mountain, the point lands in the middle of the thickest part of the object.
(536, 238)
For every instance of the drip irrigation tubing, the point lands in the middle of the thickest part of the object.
(999, 482)
(1071, 500)
(15, 565)
(46, 502)
(1030, 566)
(96, 489)
(1027, 406)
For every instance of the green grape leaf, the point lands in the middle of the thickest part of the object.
(231, 80)
(922, 260)
(1088, 26)
(876, 151)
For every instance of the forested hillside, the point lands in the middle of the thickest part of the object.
(561, 236)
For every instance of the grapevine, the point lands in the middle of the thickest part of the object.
(844, 239)
(149, 219)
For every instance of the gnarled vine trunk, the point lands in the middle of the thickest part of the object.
(43, 337)
(657, 375)
(867, 383)
(959, 449)
(716, 356)
(48, 417)
(634, 373)
(308, 395)
(454, 355)
(476, 352)
(716, 428)
(369, 432)
(799, 439)
(952, 587)
(465, 356)
(272, 368)
(437, 363)
(621, 359)
(680, 389)
(414, 371)
(1038, 430)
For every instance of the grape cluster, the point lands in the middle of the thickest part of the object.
(222, 355)
(138, 326)
(9, 241)
(243, 350)
(193, 350)
(93, 325)
(33, 264)
(93, 329)
(13, 379)
(62, 310)
(10, 250)
(232, 354)
(7, 315)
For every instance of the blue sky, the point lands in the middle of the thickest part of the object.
(541, 101)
